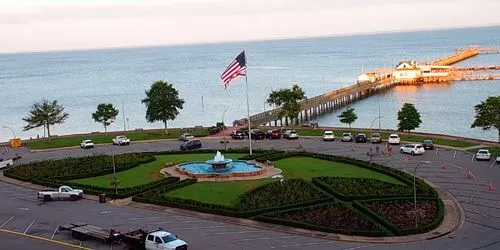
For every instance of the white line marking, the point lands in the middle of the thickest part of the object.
(437, 150)
(5, 223)
(268, 238)
(353, 248)
(80, 243)
(28, 228)
(492, 164)
(454, 154)
(237, 232)
(54, 234)
(305, 244)
(188, 228)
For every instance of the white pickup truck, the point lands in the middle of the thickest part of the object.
(64, 193)
(6, 163)
(121, 140)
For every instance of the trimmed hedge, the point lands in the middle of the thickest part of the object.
(362, 206)
(275, 218)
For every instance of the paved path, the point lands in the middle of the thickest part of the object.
(481, 229)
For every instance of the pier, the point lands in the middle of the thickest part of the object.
(373, 82)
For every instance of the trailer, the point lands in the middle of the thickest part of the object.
(83, 231)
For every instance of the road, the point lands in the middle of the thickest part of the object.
(481, 229)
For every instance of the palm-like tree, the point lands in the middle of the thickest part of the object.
(46, 114)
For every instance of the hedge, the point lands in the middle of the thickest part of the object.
(361, 205)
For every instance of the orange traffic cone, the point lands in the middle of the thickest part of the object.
(469, 175)
(491, 188)
(407, 158)
(445, 165)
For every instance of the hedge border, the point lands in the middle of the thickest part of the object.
(361, 205)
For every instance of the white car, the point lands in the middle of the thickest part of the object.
(121, 140)
(328, 136)
(346, 137)
(6, 163)
(413, 149)
(498, 159)
(86, 144)
(164, 240)
(64, 193)
(483, 154)
(290, 135)
(186, 137)
(394, 139)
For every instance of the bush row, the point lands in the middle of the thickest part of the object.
(363, 207)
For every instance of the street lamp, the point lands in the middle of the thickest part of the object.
(115, 180)
(415, 190)
(371, 125)
(10, 130)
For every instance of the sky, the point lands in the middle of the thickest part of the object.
(46, 25)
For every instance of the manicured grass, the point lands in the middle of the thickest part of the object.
(307, 168)
(220, 193)
(58, 142)
(495, 151)
(148, 172)
(403, 135)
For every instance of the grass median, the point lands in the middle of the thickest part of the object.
(101, 138)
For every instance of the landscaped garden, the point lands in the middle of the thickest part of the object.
(318, 192)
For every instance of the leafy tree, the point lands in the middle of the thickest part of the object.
(348, 116)
(162, 103)
(105, 114)
(289, 100)
(408, 117)
(488, 114)
(46, 114)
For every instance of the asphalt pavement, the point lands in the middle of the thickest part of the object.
(21, 211)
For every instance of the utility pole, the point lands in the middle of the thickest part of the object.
(124, 121)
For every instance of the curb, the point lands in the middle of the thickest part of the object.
(44, 239)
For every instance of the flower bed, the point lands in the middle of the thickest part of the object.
(401, 212)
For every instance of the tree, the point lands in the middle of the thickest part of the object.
(408, 117)
(348, 116)
(105, 114)
(46, 114)
(162, 103)
(488, 114)
(289, 100)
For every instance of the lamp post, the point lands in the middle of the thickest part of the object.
(371, 125)
(10, 130)
(115, 183)
(415, 190)
(223, 132)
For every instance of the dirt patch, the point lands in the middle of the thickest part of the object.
(156, 175)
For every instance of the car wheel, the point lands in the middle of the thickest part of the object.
(73, 198)
(412, 153)
(47, 198)
(401, 151)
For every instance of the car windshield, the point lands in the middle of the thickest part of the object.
(419, 146)
(188, 135)
(168, 238)
(428, 141)
(375, 135)
(483, 152)
(328, 133)
(346, 134)
(393, 136)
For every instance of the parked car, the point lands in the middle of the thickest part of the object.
(394, 139)
(291, 135)
(63, 193)
(361, 138)
(498, 159)
(193, 144)
(121, 140)
(346, 137)
(6, 163)
(238, 134)
(328, 136)
(413, 149)
(86, 144)
(257, 134)
(273, 134)
(375, 138)
(483, 154)
(428, 144)
(186, 137)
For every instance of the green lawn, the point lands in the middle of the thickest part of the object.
(220, 193)
(148, 172)
(404, 137)
(495, 151)
(307, 168)
(58, 142)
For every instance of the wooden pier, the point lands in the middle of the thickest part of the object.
(322, 104)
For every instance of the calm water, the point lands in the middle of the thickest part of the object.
(82, 79)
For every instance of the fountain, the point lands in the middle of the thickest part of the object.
(219, 163)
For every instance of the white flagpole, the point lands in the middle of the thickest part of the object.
(248, 108)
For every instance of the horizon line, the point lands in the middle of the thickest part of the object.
(252, 40)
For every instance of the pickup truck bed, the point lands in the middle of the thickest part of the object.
(83, 231)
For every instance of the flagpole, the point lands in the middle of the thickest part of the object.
(248, 108)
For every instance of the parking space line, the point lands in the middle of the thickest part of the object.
(269, 238)
(232, 232)
(28, 228)
(305, 244)
(54, 234)
(5, 223)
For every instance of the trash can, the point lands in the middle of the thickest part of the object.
(102, 198)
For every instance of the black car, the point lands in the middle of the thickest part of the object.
(238, 134)
(428, 144)
(361, 138)
(194, 144)
(257, 134)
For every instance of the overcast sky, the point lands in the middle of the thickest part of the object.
(43, 25)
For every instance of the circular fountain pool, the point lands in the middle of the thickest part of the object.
(233, 168)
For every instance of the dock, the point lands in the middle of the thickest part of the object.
(373, 82)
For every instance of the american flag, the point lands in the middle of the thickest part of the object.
(237, 68)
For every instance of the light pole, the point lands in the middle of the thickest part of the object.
(371, 129)
(415, 190)
(115, 180)
(10, 130)
(223, 132)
